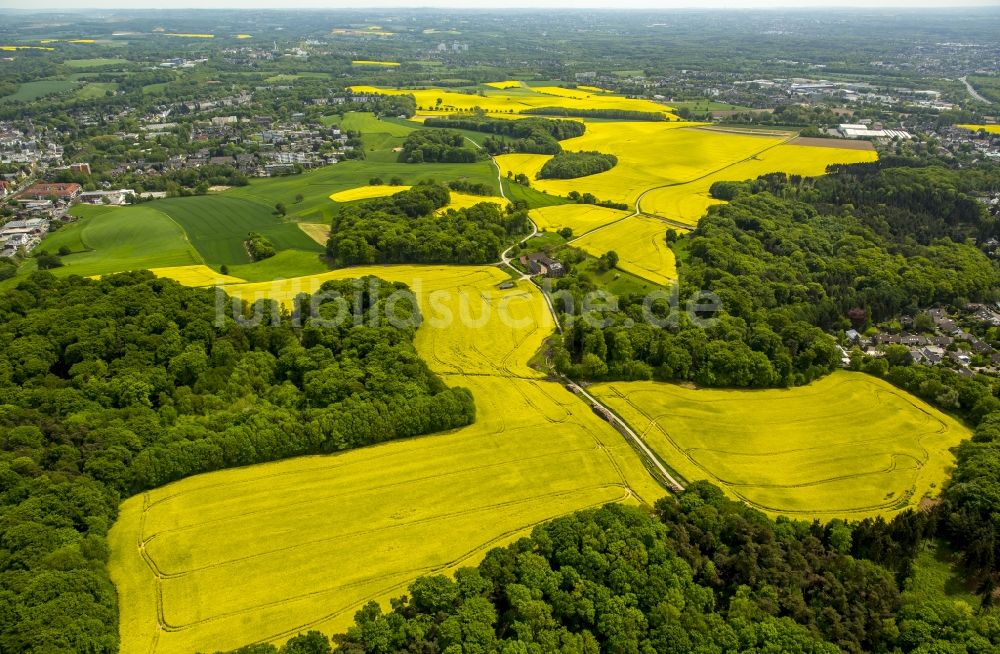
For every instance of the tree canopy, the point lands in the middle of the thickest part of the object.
(112, 386)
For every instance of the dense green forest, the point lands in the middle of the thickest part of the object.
(789, 261)
(114, 386)
(403, 228)
(570, 165)
(530, 135)
(437, 146)
(699, 574)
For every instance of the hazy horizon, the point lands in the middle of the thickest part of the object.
(49, 5)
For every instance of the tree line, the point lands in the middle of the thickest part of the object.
(570, 165)
(403, 228)
(113, 386)
(529, 135)
(437, 146)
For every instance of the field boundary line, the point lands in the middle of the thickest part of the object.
(676, 223)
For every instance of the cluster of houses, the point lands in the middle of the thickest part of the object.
(957, 139)
(940, 346)
(21, 146)
(22, 235)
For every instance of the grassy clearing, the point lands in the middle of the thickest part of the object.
(236, 550)
(641, 245)
(615, 281)
(218, 225)
(937, 575)
(848, 446)
(534, 198)
(93, 90)
(106, 240)
(581, 218)
(30, 91)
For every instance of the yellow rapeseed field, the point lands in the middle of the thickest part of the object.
(992, 129)
(466, 200)
(508, 100)
(318, 232)
(508, 84)
(196, 275)
(849, 445)
(581, 218)
(365, 62)
(649, 155)
(367, 193)
(688, 202)
(261, 553)
(641, 245)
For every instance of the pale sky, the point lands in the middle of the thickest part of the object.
(484, 4)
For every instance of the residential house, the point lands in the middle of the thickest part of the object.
(541, 264)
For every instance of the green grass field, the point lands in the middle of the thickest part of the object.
(29, 91)
(218, 225)
(316, 186)
(379, 136)
(287, 263)
(109, 239)
(849, 445)
(92, 90)
(98, 62)
(534, 198)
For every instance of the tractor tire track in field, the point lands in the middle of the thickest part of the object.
(382, 487)
(378, 530)
(670, 221)
(419, 571)
(438, 569)
(935, 427)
